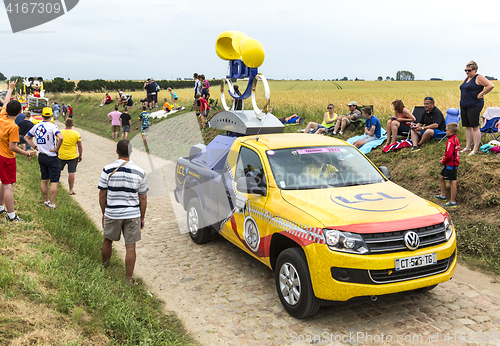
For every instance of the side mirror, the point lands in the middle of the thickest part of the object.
(249, 185)
(385, 172)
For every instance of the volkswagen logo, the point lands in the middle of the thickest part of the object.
(412, 240)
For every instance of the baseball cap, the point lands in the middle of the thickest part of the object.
(128, 94)
(352, 103)
(47, 112)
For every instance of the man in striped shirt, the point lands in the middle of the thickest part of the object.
(123, 200)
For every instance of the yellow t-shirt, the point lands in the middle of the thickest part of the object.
(334, 118)
(9, 132)
(313, 171)
(68, 148)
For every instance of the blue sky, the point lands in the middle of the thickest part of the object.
(302, 39)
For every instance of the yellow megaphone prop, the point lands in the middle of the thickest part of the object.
(245, 55)
(235, 45)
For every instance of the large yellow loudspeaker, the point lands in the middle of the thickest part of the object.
(234, 45)
(227, 45)
(252, 52)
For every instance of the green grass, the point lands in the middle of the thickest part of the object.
(60, 269)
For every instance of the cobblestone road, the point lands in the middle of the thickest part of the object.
(225, 297)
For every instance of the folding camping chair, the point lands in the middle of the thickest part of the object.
(452, 116)
(490, 128)
(417, 112)
(489, 122)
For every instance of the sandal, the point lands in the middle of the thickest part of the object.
(132, 282)
(464, 150)
(473, 152)
(74, 193)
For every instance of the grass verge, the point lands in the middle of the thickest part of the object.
(54, 289)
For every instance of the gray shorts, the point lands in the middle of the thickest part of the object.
(368, 138)
(131, 229)
(125, 128)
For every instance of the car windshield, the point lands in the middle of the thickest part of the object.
(321, 167)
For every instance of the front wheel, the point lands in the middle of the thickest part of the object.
(293, 284)
(198, 230)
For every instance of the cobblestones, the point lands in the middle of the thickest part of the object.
(225, 297)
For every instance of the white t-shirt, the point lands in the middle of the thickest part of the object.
(45, 137)
(124, 188)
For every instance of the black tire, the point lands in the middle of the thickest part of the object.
(425, 289)
(292, 272)
(198, 230)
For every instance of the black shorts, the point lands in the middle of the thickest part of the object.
(470, 116)
(108, 102)
(151, 98)
(449, 174)
(403, 129)
(71, 164)
(49, 167)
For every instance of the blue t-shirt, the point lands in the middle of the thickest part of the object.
(144, 117)
(373, 120)
(20, 117)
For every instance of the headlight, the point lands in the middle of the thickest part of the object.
(448, 226)
(345, 241)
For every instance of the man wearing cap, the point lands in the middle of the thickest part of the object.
(345, 120)
(48, 142)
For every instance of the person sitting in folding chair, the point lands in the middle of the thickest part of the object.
(432, 125)
(344, 121)
(399, 123)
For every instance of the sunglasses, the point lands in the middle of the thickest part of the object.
(329, 108)
(468, 70)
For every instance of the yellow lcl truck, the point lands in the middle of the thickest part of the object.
(319, 213)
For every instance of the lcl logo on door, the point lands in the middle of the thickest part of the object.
(24, 14)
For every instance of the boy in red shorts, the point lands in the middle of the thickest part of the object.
(9, 137)
(450, 162)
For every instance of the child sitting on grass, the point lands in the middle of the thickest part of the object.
(450, 161)
(373, 129)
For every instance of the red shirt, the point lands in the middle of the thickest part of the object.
(452, 153)
(70, 109)
(204, 104)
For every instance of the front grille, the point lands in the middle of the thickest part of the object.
(383, 276)
(394, 241)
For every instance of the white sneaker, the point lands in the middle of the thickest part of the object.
(334, 133)
(341, 133)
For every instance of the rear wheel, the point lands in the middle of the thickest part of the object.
(293, 284)
(198, 231)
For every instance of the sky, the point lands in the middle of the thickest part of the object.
(303, 39)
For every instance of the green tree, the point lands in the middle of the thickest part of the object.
(380, 78)
(405, 75)
(2, 77)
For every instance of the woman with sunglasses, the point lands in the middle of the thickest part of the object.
(329, 120)
(399, 123)
(472, 93)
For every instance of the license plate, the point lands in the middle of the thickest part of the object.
(416, 261)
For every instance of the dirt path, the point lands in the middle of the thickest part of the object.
(225, 297)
